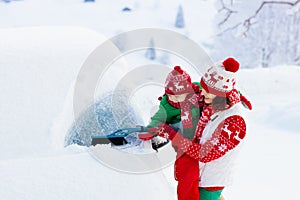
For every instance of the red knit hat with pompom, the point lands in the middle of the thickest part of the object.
(178, 82)
(220, 78)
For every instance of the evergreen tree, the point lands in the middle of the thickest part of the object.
(150, 52)
(179, 18)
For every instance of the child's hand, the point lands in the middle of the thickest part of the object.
(163, 130)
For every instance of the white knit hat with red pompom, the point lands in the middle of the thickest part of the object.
(178, 82)
(220, 78)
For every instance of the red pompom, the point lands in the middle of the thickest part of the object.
(178, 68)
(230, 64)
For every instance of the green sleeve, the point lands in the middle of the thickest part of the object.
(159, 117)
(198, 83)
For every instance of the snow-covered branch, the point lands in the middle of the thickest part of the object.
(249, 21)
(228, 13)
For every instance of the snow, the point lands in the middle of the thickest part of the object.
(38, 68)
(38, 78)
(73, 174)
(268, 161)
(107, 17)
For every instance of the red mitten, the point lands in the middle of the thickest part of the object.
(153, 130)
(163, 130)
(246, 102)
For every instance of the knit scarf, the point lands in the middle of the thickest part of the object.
(234, 98)
(185, 109)
(204, 119)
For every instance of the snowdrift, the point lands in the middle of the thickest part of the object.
(38, 68)
(38, 65)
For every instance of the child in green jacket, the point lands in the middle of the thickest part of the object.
(181, 103)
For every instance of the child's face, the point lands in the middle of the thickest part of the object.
(177, 98)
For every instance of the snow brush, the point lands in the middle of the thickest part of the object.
(117, 137)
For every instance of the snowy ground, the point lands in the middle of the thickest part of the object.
(37, 78)
(36, 84)
(38, 66)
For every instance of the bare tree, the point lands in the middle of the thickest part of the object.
(228, 12)
(249, 21)
(259, 33)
